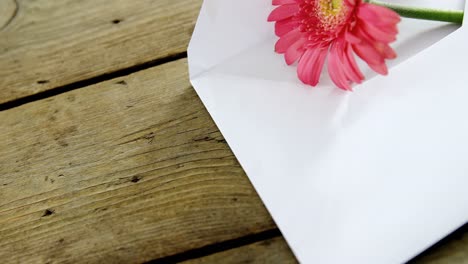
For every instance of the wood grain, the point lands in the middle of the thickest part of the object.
(54, 43)
(269, 251)
(124, 171)
(276, 250)
(8, 11)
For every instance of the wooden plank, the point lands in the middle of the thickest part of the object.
(49, 43)
(276, 250)
(127, 170)
(8, 10)
(269, 251)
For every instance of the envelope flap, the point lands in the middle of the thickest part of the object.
(373, 176)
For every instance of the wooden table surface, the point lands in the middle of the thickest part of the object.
(107, 154)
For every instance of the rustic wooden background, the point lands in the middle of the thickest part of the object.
(107, 154)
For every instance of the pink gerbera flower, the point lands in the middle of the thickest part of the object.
(311, 29)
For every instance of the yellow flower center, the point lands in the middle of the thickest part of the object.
(331, 13)
(330, 7)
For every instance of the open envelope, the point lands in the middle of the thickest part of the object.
(372, 176)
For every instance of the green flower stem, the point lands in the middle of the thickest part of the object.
(453, 16)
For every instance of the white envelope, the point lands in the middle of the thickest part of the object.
(372, 176)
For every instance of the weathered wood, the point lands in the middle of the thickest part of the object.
(269, 251)
(128, 170)
(276, 250)
(8, 10)
(53, 43)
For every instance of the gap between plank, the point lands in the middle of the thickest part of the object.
(219, 247)
(93, 80)
(270, 234)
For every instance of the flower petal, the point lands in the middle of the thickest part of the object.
(350, 67)
(379, 68)
(335, 68)
(295, 51)
(377, 14)
(283, 12)
(311, 64)
(284, 26)
(283, 2)
(378, 33)
(349, 37)
(388, 52)
(287, 40)
(368, 54)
